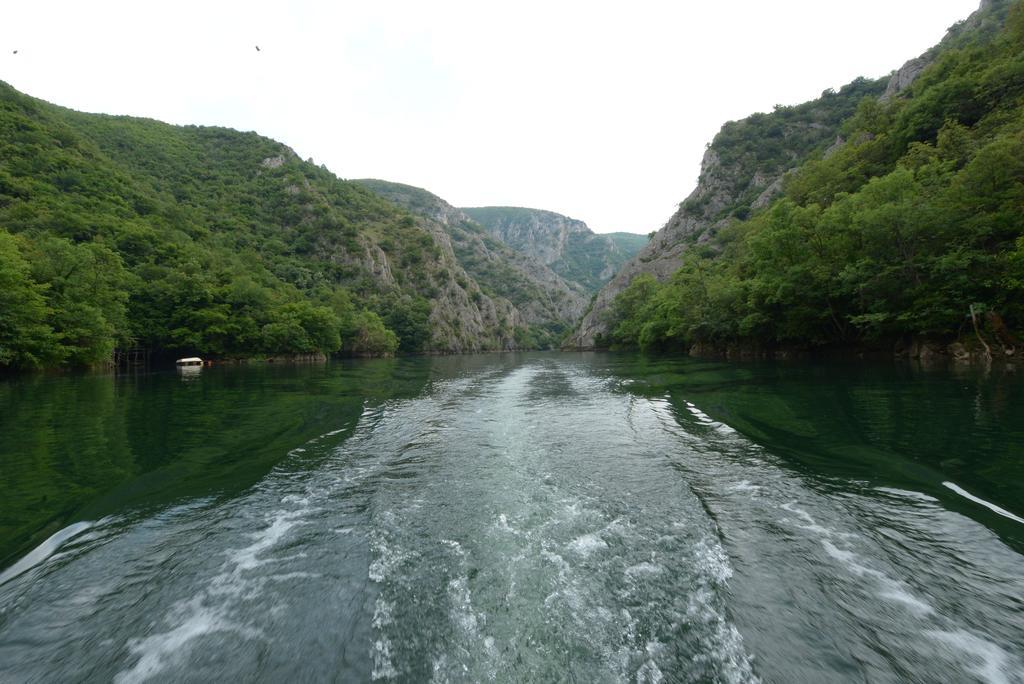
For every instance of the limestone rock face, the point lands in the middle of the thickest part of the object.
(541, 234)
(377, 264)
(905, 76)
(494, 289)
(462, 318)
(700, 215)
(564, 244)
(274, 162)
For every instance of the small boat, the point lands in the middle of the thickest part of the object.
(189, 367)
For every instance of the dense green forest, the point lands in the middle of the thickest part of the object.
(913, 222)
(118, 232)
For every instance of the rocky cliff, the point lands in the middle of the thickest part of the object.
(566, 245)
(985, 21)
(744, 166)
(538, 298)
(741, 172)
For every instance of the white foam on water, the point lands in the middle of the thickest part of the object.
(726, 652)
(383, 667)
(469, 623)
(847, 558)
(587, 544)
(810, 524)
(906, 494)
(383, 613)
(285, 576)
(888, 588)
(987, 504)
(991, 663)
(556, 560)
(503, 525)
(988, 661)
(563, 574)
(572, 508)
(388, 557)
(701, 416)
(40, 553)
(208, 611)
(649, 673)
(247, 558)
(440, 667)
(894, 591)
(461, 613)
(721, 644)
(712, 561)
(704, 418)
(355, 473)
(644, 568)
(158, 651)
(744, 486)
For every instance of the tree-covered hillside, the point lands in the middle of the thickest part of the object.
(118, 232)
(903, 230)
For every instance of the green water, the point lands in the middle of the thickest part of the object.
(520, 517)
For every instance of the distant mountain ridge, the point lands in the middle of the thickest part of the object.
(567, 245)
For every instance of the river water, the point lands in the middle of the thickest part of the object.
(519, 517)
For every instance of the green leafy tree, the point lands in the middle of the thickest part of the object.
(88, 290)
(26, 338)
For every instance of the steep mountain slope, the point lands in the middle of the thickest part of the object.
(628, 243)
(907, 231)
(546, 302)
(568, 246)
(123, 232)
(741, 172)
(743, 169)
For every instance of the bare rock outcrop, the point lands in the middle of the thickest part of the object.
(494, 290)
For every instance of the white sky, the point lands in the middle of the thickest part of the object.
(594, 109)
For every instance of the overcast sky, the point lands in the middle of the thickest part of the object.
(596, 110)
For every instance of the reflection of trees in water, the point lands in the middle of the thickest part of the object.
(84, 446)
(64, 441)
(876, 422)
